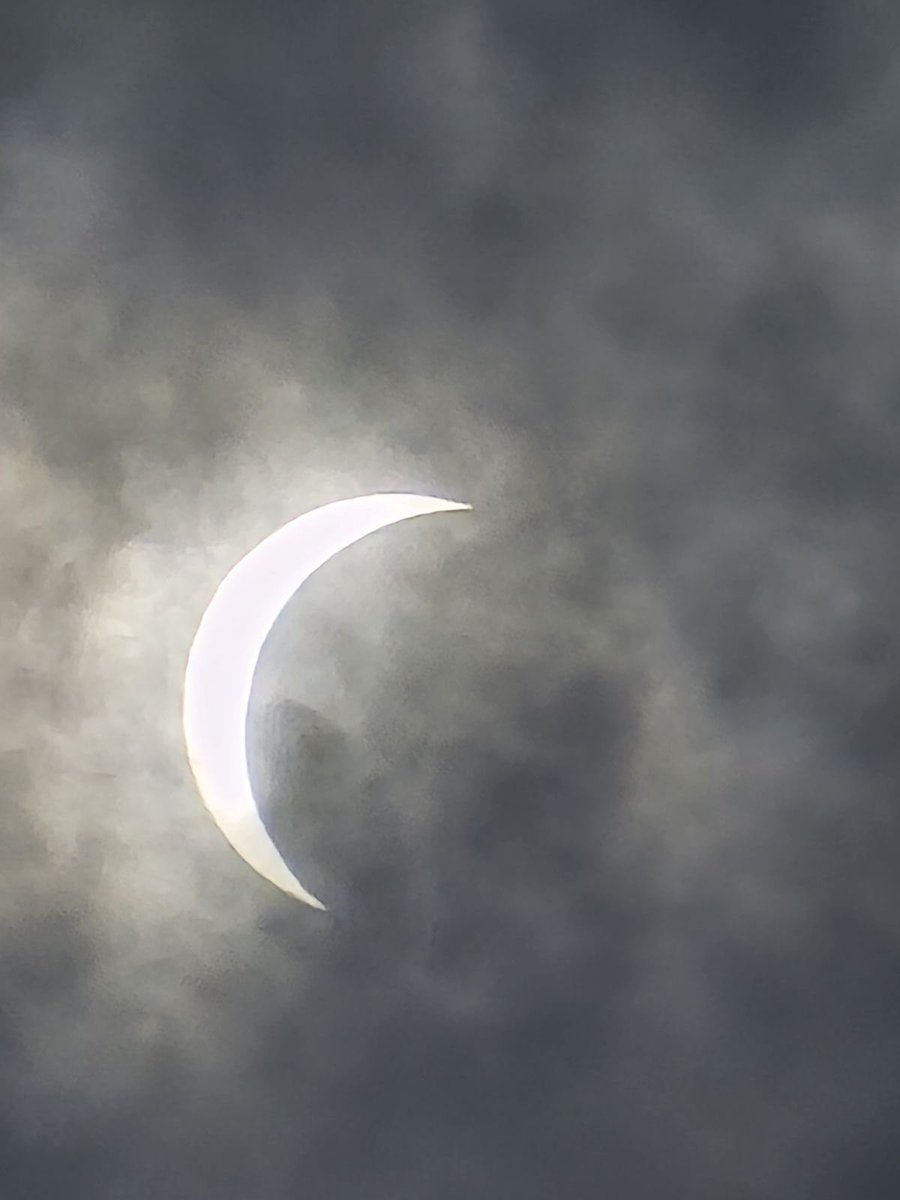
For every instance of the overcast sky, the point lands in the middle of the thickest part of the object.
(600, 780)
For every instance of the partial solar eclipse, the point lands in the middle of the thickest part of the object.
(226, 649)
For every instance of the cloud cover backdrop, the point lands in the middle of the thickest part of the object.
(600, 780)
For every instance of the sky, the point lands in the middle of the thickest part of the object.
(598, 781)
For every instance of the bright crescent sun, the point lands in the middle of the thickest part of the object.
(226, 649)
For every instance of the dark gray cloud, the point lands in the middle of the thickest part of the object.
(599, 780)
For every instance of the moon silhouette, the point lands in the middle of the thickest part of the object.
(226, 648)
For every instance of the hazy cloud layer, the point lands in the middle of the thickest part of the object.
(600, 779)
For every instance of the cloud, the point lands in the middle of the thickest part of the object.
(601, 778)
